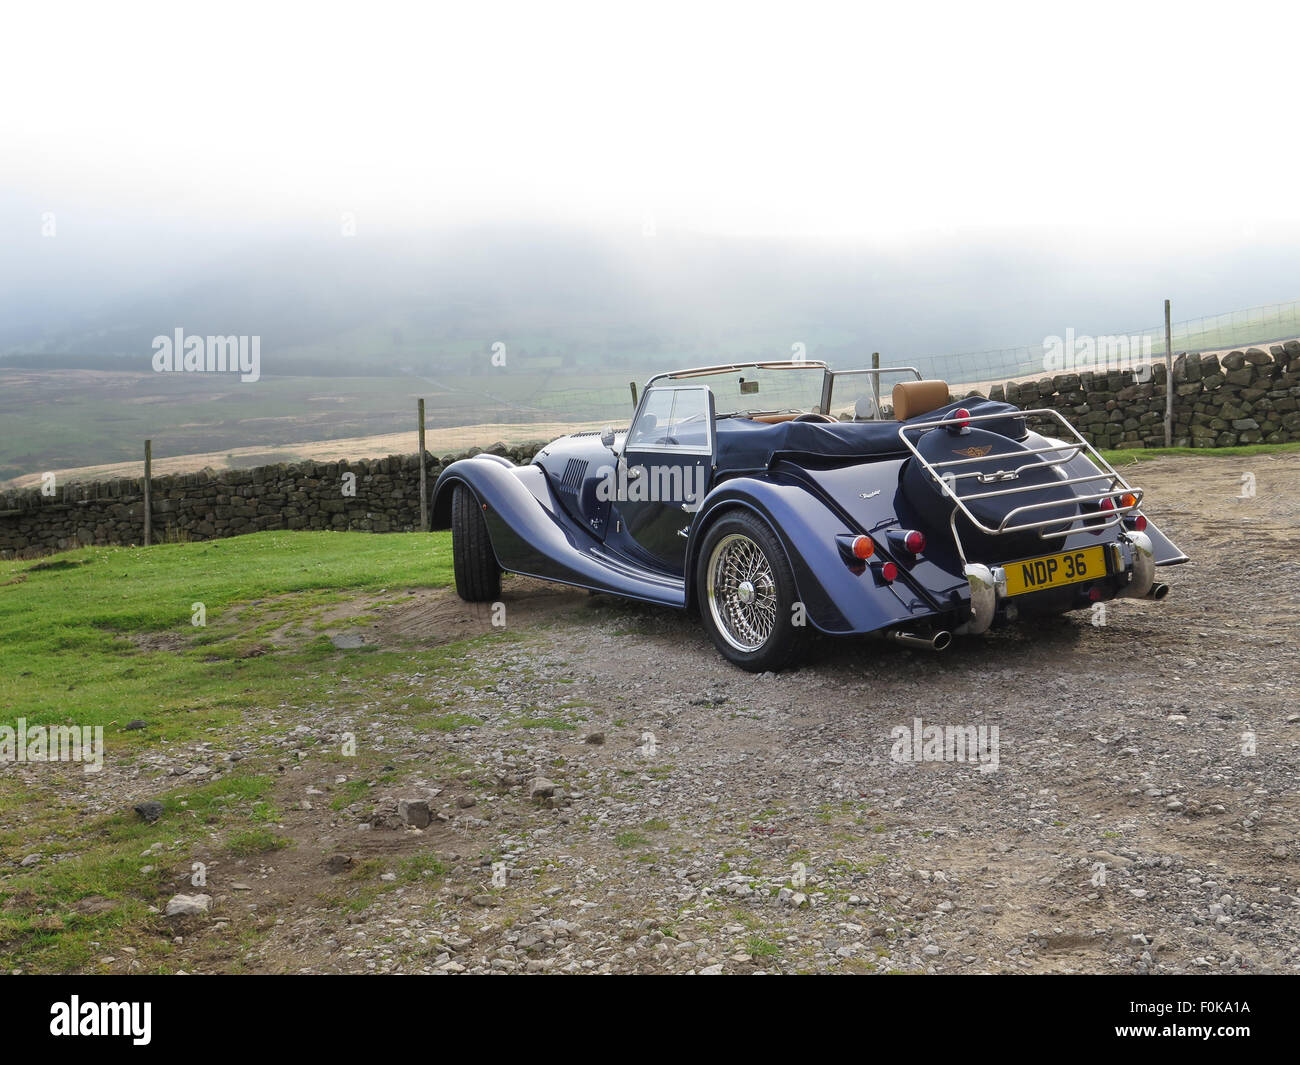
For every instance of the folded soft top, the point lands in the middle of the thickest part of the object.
(749, 445)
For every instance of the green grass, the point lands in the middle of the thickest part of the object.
(1124, 456)
(45, 922)
(420, 865)
(103, 635)
(758, 947)
(253, 841)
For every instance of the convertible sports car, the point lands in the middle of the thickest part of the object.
(778, 497)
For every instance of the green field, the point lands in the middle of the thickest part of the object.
(103, 636)
(67, 623)
(1147, 454)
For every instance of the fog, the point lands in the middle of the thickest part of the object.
(662, 180)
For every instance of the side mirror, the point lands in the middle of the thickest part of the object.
(607, 437)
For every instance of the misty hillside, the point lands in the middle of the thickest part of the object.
(438, 302)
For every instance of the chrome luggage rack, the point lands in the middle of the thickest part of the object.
(946, 477)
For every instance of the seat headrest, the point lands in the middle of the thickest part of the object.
(912, 398)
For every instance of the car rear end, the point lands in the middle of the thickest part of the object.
(1035, 524)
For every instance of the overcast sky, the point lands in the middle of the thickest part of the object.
(174, 132)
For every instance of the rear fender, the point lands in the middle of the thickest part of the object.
(835, 598)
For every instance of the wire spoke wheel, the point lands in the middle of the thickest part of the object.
(742, 592)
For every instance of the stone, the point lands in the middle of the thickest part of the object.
(150, 811)
(541, 788)
(187, 905)
(414, 812)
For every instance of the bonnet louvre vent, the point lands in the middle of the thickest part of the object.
(574, 472)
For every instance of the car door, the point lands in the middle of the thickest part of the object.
(665, 470)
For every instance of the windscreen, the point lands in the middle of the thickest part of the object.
(758, 390)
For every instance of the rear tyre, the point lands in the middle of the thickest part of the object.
(747, 595)
(478, 577)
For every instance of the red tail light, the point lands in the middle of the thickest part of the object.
(958, 419)
(914, 541)
(863, 547)
(1106, 504)
(889, 572)
(1137, 522)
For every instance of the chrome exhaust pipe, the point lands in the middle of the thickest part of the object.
(938, 642)
(1158, 591)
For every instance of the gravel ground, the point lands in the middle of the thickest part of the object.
(629, 802)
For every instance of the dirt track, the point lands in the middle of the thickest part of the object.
(1124, 829)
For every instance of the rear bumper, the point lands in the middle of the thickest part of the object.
(1130, 575)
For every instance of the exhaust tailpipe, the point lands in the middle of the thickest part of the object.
(1158, 591)
(938, 642)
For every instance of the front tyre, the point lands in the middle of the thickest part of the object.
(478, 577)
(747, 594)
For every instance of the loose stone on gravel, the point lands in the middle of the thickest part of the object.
(188, 905)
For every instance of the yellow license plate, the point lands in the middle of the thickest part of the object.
(1052, 571)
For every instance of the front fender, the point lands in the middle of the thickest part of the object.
(835, 598)
(533, 535)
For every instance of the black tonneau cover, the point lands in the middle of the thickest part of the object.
(749, 445)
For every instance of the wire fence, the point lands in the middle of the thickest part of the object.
(1219, 332)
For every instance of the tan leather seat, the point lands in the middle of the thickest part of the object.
(912, 398)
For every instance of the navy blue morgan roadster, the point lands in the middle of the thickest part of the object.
(780, 497)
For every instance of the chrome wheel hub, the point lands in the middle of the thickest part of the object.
(741, 592)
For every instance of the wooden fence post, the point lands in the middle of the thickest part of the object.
(1169, 381)
(875, 381)
(148, 492)
(424, 492)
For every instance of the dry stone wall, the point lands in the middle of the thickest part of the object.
(1245, 397)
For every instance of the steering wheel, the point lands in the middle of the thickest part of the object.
(813, 418)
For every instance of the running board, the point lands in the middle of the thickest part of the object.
(601, 570)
